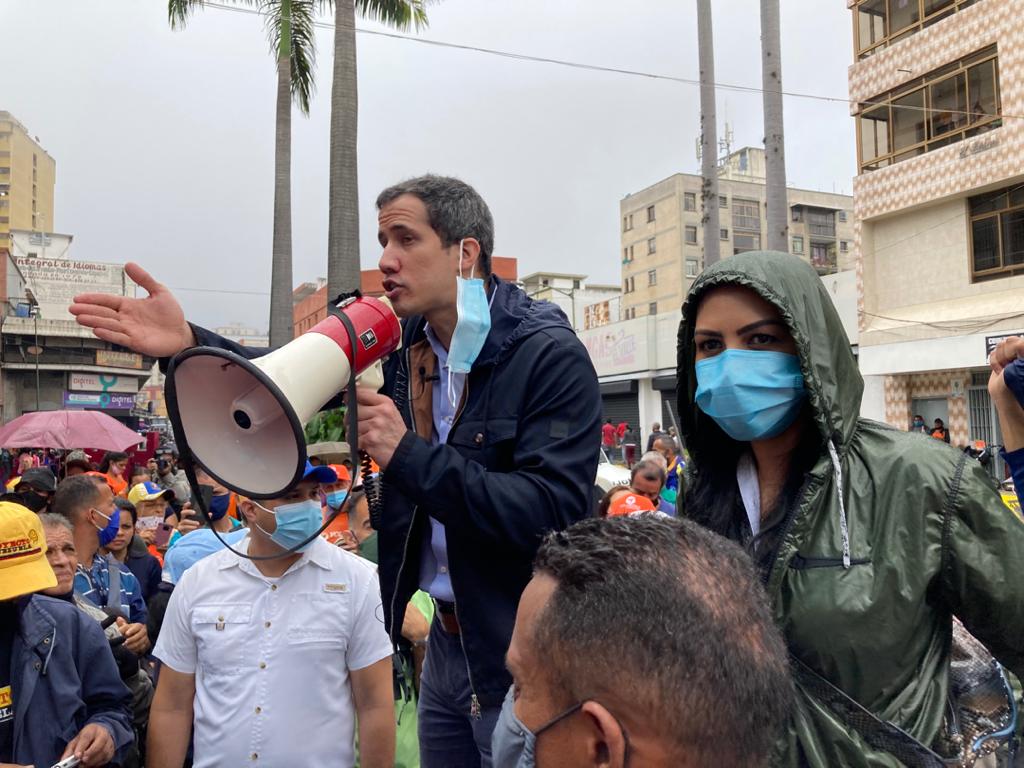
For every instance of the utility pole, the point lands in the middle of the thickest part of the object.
(708, 134)
(774, 145)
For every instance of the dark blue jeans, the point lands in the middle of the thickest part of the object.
(449, 736)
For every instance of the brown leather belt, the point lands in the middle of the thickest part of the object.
(446, 617)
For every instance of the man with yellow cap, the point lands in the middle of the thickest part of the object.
(60, 691)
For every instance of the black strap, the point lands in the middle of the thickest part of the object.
(879, 734)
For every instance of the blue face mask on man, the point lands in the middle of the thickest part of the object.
(219, 505)
(335, 499)
(472, 327)
(109, 532)
(751, 394)
(513, 744)
(295, 523)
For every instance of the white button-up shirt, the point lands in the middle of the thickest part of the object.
(271, 657)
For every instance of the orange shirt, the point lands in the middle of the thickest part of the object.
(117, 484)
(335, 532)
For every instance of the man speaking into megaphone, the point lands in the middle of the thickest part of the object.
(487, 433)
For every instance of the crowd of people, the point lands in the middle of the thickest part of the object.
(790, 591)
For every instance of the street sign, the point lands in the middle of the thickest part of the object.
(991, 342)
(118, 359)
(99, 382)
(99, 400)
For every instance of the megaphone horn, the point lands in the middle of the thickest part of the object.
(242, 420)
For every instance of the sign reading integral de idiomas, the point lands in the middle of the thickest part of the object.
(55, 282)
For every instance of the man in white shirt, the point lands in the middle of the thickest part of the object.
(275, 659)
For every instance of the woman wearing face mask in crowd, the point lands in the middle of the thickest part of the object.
(868, 538)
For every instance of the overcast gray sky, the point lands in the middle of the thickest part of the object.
(164, 140)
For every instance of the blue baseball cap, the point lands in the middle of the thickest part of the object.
(321, 474)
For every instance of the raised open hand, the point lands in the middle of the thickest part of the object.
(153, 326)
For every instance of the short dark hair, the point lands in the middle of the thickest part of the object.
(667, 619)
(76, 494)
(668, 442)
(455, 211)
(648, 469)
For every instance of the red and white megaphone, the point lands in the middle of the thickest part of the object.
(242, 420)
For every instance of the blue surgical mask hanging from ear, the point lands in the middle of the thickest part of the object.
(514, 745)
(472, 327)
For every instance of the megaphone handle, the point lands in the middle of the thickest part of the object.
(371, 485)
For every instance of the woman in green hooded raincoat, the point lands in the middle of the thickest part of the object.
(869, 539)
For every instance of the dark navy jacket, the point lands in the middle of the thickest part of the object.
(63, 677)
(520, 460)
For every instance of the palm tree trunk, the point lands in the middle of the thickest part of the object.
(281, 322)
(708, 133)
(343, 272)
(774, 145)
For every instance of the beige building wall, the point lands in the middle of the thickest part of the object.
(924, 317)
(676, 260)
(27, 178)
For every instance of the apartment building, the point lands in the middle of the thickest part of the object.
(937, 90)
(663, 238)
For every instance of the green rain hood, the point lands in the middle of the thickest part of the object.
(928, 536)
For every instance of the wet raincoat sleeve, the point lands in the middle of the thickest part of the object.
(1015, 460)
(548, 455)
(982, 554)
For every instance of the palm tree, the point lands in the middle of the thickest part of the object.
(290, 31)
(343, 223)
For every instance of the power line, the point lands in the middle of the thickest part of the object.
(219, 290)
(616, 70)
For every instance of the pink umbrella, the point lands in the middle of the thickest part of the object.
(68, 430)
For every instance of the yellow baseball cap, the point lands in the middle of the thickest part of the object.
(148, 492)
(23, 565)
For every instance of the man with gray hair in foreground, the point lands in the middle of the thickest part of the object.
(642, 642)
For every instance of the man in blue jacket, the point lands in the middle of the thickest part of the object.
(487, 433)
(60, 691)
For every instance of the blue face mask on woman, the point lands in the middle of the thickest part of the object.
(472, 327)
(751, 394)
(295, 523)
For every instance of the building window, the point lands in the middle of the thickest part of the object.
(5, 170)
(650, 213)
(34, 158)
(652, 245)
(741, 243)
(691, 267)
(879, 23)
(842, 216)
(625, 255)
(691, 234)
(821, 222)
(844, 246)
(575, 285)
(723, 201)
(723, 234)
(797, 213)
(798, 244)
(997, 233)
(958, 102)
(746, 215)
(690, 201)
(652, 277)
(652, 308)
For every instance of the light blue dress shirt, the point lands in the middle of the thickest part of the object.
(434, 576)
